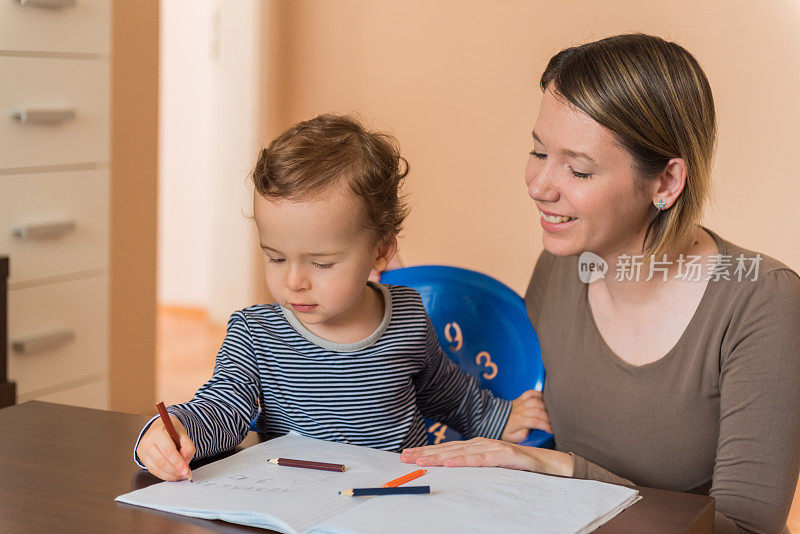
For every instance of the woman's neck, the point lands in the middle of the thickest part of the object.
(632, 278)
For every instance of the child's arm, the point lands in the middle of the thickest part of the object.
(218, 417)
(447, 394)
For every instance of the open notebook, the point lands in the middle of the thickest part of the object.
(244, 488)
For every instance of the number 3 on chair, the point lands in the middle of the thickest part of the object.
(483, 355)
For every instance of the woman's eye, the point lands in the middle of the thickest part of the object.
(538, 155)
(581, 175)
(323, 265)
(275, 260)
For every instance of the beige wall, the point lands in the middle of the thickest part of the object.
(457, 84)
(209, 136)
(236, 141)
(134, 151)
(187, 65)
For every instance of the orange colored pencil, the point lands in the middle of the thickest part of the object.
(405, 478)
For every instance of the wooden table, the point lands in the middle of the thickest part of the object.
(61, 468)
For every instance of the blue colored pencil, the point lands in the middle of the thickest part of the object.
(399, 490)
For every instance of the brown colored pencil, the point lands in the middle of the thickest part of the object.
(405, 478)
(322, 466)
(162, 411)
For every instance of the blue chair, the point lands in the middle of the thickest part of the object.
(482, 326)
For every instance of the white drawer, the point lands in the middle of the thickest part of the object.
(82, 28)
(37, 84)
(92, 395)
(79, 307)
(36, 212)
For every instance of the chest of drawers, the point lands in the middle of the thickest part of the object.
(54, 196)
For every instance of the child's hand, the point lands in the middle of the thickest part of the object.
(528, 411)
(157, 451)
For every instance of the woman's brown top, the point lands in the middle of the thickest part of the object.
(722, 407)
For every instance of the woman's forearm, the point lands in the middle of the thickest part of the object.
(549, 462)
(491, 453)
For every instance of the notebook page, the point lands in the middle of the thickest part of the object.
(244, 488)
(482, 499)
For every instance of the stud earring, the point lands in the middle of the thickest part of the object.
(660, 204)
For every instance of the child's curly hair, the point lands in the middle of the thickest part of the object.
(315, 155)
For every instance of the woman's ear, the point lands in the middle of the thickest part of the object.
(384, 252)
(670, 183)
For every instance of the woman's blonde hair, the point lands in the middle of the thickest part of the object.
(655, 98)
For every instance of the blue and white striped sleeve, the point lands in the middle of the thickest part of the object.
(218, 417)
(447, 394)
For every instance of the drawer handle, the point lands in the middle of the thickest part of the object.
(44, 230)
(42, 342)
(51, 4)
(43, 116)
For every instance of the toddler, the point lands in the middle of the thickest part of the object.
(336, 357)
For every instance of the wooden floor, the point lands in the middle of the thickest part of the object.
(187, 346)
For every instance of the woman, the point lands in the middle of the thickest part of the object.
(680, 368)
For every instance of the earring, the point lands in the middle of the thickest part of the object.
(660, 204)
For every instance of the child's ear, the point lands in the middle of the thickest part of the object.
(385, 250)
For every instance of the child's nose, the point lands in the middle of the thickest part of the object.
(296, 280)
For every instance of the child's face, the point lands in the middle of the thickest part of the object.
(318, 255)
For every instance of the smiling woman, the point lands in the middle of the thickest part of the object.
(660, 141)
(679, 369)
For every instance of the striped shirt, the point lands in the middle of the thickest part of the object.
(374, 393)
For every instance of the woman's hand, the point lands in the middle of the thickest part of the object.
(157, 451)
(482, 452)
(527, 411)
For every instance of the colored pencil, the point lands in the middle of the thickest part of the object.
(162, 411)
(405, 478)
(322, 466)
(404, 490)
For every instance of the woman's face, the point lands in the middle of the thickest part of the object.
(584, 185)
